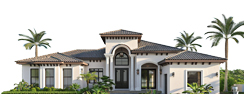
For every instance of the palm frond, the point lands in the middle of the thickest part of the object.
(236, 40)
(31, 41)
(194, 39)
(237, 26)
(29, 45)
(240, 33)
(216, 27)
(26, 36)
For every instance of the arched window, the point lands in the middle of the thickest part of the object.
(121, 59)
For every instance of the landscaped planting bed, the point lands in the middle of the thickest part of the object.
(40, 92)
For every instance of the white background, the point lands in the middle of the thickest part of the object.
(77, 24)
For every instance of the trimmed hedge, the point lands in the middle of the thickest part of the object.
(40, 92)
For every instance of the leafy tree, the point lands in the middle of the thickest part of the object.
(35, 40)
(226, 31)
(88, 77)
(187, 41)
(234, 77)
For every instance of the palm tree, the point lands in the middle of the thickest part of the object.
(88, 77)
(187, 41)
(226, 31)
(35, 40)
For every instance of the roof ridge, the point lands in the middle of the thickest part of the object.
(176, 54)
(38, 56)
(70, 56)
(84, 49)
(161, 44)
(207, 54)
(104, 33)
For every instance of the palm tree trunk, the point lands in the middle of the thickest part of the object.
(36, 51)
(186, 48)
(226, 66)
(87, 82)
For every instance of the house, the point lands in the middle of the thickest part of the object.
(132, 63)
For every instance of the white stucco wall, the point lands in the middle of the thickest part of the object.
(150, 58)
(96, 64)
(178, 82)
(165, 70)
(131, 43)
(58, 78)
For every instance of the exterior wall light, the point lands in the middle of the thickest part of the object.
(217, 74)
(173, 74)
(160, 71)
(137, 71)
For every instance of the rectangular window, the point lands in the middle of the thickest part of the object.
(99, 73)
(34, 76)
(49, 77)
(67, 77)
(194, 76)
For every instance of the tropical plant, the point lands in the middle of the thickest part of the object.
(226, 31)
(75, 86)
(106, 83)
(195, 89)
(88, 77)
(22, 85)
(35, 40)
(208, 88)
(187, 41)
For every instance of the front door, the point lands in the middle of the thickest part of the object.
(121, 78)
(148, 79)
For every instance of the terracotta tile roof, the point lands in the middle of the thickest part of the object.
(54, 57)
(150, 46)
(121, 32)
(85, 54)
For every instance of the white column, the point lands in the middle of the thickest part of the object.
(132, 87)
(40, 76)
(111, 67)
(107, 65)
(43, 77)
(58, 76)
(158, 81)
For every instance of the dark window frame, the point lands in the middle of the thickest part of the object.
(98, 71)
(121, 58)
(64, 86)
(50, 77)
(34, 76)
(197, 80)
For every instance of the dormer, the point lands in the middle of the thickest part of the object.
(117, 37)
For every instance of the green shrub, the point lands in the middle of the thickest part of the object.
(59, 89)
(25, 89)
(33, 89)
(45, 89)
(39, 92)
(53, 89)
(66, 89)
(38, 89)
(13, 90)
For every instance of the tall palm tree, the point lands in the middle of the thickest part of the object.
(226, 31)
(187, 41)
(35, 40)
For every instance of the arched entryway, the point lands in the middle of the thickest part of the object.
(148, 76)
